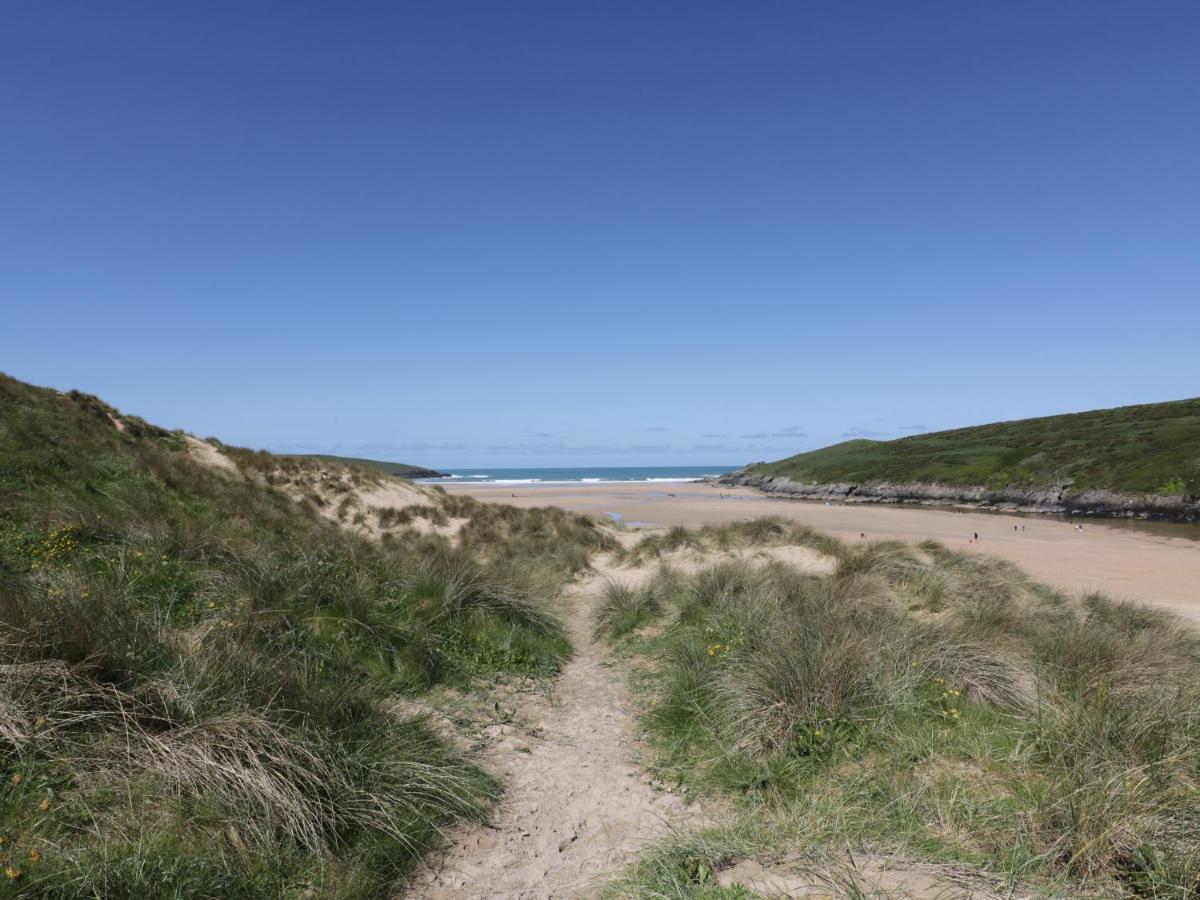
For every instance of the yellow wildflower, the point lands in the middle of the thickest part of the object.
(16, 779)
(13, 874)
(35, 856)
(44, 806)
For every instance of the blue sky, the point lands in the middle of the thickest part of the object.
(599, 233)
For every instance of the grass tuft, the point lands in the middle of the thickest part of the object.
(624, 609)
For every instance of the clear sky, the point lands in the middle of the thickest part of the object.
(599, 232)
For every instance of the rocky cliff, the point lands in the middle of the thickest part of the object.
(1058, 499)
(417, 472)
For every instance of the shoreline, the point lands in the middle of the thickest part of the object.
(583, 482)
(1126, 559)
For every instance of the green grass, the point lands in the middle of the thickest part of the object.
(624, 609)
(200, 677)
(1148, 449)
(685, 866)
(933, 706)
(508, 537)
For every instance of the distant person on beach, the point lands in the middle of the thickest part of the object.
(977, 535)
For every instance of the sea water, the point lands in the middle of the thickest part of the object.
(581, 475)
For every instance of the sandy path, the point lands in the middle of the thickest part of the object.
(1156, 564)
(576, 805)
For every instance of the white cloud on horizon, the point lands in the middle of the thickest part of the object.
(785, 432)
(857, 432)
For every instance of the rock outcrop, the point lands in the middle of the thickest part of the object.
(1057, 499)
(417, 472)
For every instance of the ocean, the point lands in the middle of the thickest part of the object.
(580, 475)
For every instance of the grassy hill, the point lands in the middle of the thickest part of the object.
(202, 679)
(1148, 449)
(403, 470)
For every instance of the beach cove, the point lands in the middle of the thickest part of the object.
(1157, 565)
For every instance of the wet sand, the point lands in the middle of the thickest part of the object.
(1159, 565)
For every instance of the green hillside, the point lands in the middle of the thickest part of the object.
(1149, 449)
(404, 470)
(202, 680)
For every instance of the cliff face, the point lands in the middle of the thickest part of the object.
(1058, 499)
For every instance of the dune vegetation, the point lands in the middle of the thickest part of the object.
(1145, 449)
(766, 531)
(915, 704)
(403, 470)
(207, 686)
(221, 670)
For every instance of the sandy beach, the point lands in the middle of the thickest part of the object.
(1159, 565)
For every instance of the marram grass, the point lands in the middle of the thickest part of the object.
(933, 706)
(199, 677)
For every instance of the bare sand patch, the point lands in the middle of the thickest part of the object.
(203, 453)
(389, 493)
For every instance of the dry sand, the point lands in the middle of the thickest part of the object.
(576, 804)
(1159, 565)
(201, 451)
